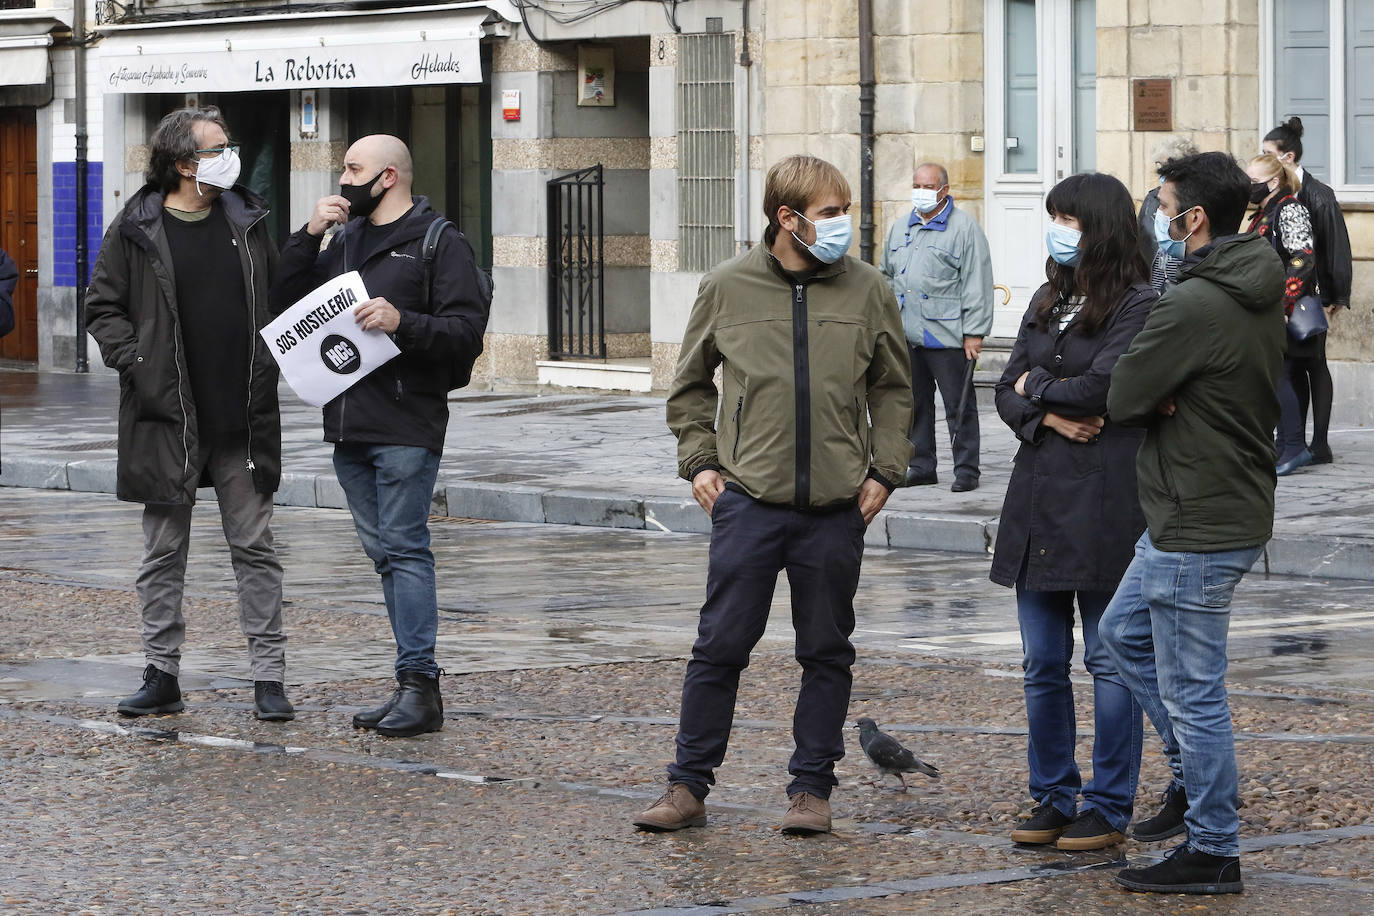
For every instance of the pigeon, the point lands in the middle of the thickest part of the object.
(888, 755)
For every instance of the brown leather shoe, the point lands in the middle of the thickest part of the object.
(806, 815)
(677, 808)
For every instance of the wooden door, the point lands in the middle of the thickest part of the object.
(19, 226)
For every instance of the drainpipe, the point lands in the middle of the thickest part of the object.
(79, 41)
(746, 64)
(866, 97)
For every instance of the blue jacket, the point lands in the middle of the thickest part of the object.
(941, 273)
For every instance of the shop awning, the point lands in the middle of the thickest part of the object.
(338, 49)
(24, 60)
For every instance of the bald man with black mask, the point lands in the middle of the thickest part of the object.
(388, 429)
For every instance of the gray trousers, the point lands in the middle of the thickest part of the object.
(246, 516)
(944, 368)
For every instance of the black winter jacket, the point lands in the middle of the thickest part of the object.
(1334, 268)
(404, 401)
(1071, 510)
(131, 310)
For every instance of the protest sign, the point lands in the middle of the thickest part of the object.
(320, 348)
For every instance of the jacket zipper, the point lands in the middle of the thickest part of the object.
(1173, 493)
(343, 397)
(802, 384)
(739, 408)
(181, 396)
(252, 338)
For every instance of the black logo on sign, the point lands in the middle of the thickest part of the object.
(340, 355)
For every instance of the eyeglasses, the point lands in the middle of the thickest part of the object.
(220, 150)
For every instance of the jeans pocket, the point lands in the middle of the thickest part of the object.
(1219, 582)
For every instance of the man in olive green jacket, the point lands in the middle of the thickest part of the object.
(792, 458)
(1202, 378)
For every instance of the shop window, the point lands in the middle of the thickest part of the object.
(706, 156)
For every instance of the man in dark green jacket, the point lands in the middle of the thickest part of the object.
(1202, 378)
(792, 457)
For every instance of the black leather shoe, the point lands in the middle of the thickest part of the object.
(270, 699)
(963, 483)
(160, 693)
(920, 478)
(1168, 821)
(369, 718)
(1321, 454)
(418, 709)
(1186, 871)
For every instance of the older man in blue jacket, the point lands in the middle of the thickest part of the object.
(937, 260)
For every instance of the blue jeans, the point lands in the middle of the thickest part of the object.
(389, 488)
(1047, 642)
(1166, 630)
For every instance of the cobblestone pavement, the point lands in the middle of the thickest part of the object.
(564, 648)
(604, 460)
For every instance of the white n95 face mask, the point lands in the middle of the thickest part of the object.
(219, 171)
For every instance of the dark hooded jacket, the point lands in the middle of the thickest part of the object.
(1071, 514)
(1214, 345)
(131, 311)
(403, 401)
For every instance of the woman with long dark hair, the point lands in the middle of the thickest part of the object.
(1071, 516)
(1287, 224)
(1310, 375)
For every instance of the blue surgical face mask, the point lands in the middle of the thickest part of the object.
(1171, 246)
(832, 237)
(1063, 244)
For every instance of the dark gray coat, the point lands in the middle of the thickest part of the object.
(131, 310)
(1071, 510)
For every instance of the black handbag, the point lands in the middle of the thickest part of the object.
(1308, 319)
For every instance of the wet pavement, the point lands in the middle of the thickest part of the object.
(564, 648)
(541, 455)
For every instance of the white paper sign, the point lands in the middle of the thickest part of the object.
(320, 348)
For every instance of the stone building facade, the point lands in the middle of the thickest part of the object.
(701, 97)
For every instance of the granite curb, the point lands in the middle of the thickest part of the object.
(1309, 556)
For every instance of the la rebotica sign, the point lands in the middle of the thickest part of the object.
(419, 63)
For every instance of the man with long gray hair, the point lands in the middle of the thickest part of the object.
(178, 294)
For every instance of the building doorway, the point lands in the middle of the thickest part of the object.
(1041, 99)
(19, 226)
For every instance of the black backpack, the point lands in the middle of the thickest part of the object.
(460, 373)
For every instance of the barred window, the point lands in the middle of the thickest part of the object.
(705, 150)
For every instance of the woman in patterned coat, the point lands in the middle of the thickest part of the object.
(1287, 224)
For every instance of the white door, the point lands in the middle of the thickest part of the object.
(1041, 90)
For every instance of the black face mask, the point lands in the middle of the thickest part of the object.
(359, 197)
(1259, 190)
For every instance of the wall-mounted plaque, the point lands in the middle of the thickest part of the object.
(1152, 101)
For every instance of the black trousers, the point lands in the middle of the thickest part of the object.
(751, 542)
(945, 368)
